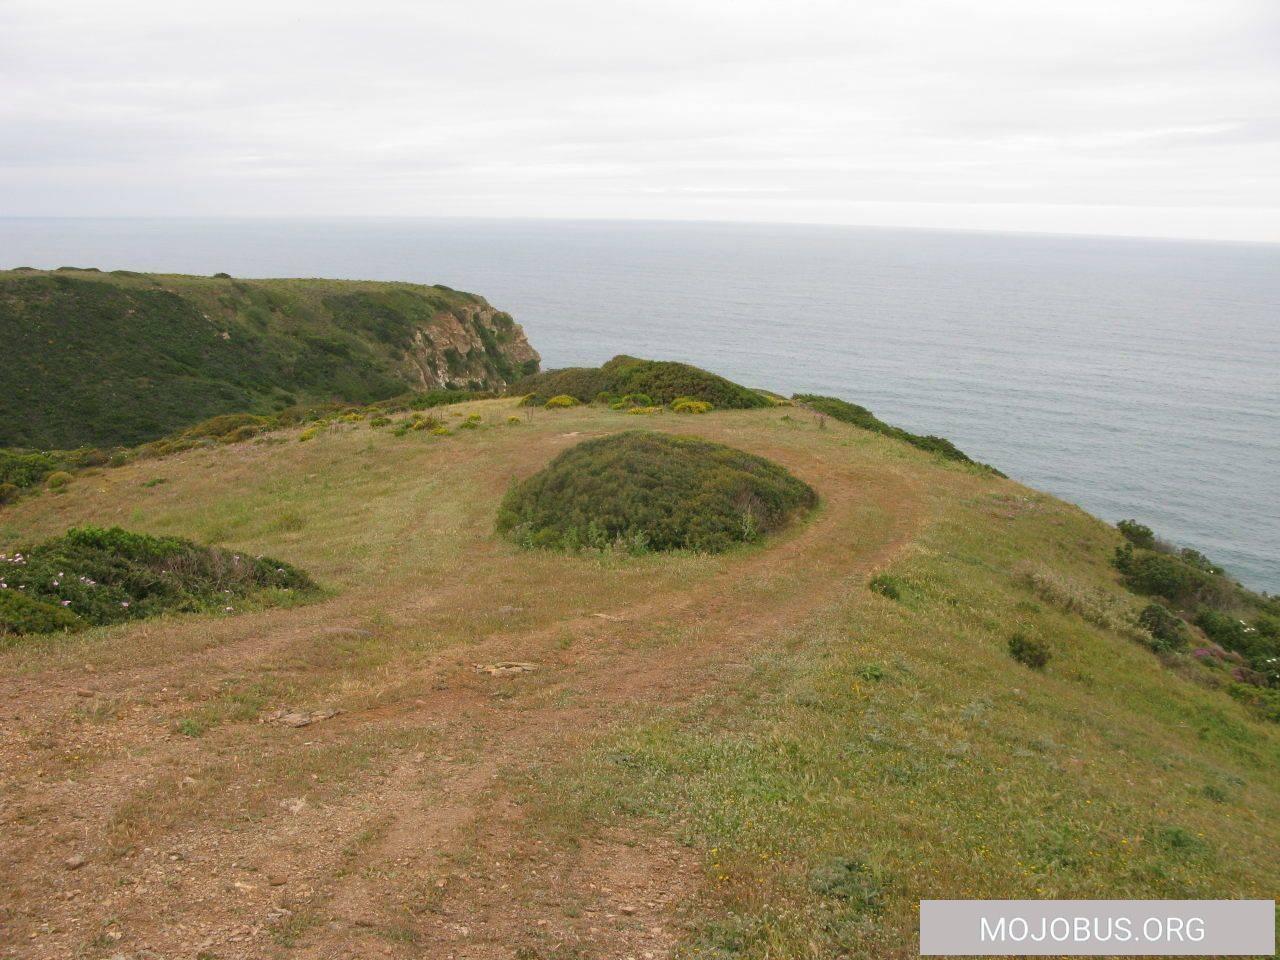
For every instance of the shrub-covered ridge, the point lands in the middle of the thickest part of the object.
(117, 359)
(95, 576)
(651, 491)
(660, 381)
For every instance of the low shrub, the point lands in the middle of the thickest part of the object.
(240, 434)
(1029, 651)
(689, 405)
(561, 401)
(1252, 641)
(21, 614)
(379, 421)
(513, 420)
(8, 492)
(308, 434)
(1167, 630)
(28, 468)
(650, 491)
(582, 383)
(645, 411)
(221, 426)
(57, 480)
(103, 576)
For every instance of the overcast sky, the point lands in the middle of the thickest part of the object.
(1142, 117)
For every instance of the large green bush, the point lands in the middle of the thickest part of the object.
(101, 576)
(650, 491)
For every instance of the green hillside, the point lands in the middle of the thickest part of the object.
(101, 359)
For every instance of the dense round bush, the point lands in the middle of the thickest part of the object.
(58, 479)
(8, 491)
(649, 491)
(561, 401)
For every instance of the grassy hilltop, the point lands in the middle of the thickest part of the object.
(770, 752)
(99, 359)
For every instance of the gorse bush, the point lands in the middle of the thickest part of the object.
(94, 576)
(689, 405)
(858, 416)
(560, 402)
(631, 382)
(57, 480)
(650, 491)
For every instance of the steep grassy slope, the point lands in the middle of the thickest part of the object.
(103, 359)
(748, 755)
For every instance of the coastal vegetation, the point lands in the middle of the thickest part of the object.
(642, 491)
(92, 576)
(859, 416)
(97, 359)
(1240, 628)
(630, 380)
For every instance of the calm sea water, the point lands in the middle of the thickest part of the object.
(1137, 378)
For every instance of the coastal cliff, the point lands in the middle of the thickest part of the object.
(100, 359)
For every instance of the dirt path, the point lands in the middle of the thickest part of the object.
(389, 830)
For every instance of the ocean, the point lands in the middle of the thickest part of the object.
(1137, 378)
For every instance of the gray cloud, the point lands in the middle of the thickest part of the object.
(1114, 116)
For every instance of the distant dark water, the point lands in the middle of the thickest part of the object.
(1136, 378)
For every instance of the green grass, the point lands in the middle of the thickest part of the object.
(859, 416)
(96, 359)
(813, 754)
(878, 755)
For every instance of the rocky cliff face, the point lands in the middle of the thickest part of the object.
(469, 346)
